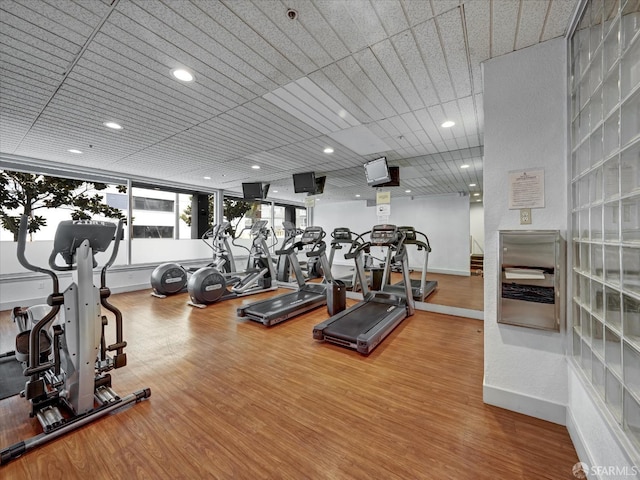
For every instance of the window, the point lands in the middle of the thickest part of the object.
(51, 200)
(152, 231)
(161, 226)
(156, 204)
(301, 218)
(605, 205)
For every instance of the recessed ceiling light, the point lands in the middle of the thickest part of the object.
(448, 124)
(275, 191)
(207, 178)
(73, 150)
(464, 166)
(182, 75)
(478, 200)
(358, 195)
(113, 125)
(407, 191)
(328, 150)
(476, 194)
(255, 167)
(472, 184)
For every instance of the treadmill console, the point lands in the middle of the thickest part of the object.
(311, 235)
(258, 226)
(409, 234)
(384, 235)
(342, 235)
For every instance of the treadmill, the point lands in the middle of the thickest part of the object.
(308, 296)
(343, 236)
(420, 288)
(364, 325)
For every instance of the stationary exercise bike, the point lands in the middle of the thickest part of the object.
(68, 385)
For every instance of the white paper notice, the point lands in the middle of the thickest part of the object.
(526, 189)
(383, 209)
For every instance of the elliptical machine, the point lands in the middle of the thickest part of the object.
(208, 285)
(283, 265)
(170, 278)
(68, 384)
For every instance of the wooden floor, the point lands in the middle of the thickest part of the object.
(456, 290)
(232, 399)
(453, 290)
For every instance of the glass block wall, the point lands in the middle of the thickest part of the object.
(605, 204)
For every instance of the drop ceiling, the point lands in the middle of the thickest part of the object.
(268, 90)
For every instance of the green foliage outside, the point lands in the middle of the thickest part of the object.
(29, 192)
(232, 210)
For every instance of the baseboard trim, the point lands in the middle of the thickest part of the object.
(447, 310)
(525, 404)
(578, 439)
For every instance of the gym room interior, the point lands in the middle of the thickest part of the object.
(509, 132)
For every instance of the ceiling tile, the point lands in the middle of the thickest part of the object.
(393, 67)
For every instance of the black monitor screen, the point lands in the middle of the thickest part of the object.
(252, 191)
(377, 171)
(304, 182)
(394, 172)
(320, 181)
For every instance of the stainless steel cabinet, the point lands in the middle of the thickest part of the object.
(531, 289)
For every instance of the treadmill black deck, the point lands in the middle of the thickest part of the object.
(359, 320)
(283, 307)
(429, 287)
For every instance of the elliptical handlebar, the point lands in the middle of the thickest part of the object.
(22, 241)
(114, 253)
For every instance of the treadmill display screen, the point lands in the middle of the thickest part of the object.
(311, 235)
(384, 235)
(342, 234)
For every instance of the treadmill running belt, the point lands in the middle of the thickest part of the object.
(360, 320)
(283, 302)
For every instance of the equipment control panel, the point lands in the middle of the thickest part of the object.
(258, 226)
(409, 234)
(311, 235)
(342, 234)
(385, 234)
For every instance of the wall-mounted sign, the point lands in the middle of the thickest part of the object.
(383, 197)
(383, 209)
(526, 189)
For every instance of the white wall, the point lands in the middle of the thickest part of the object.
(476, 227)
(444, 219)
(525, 126)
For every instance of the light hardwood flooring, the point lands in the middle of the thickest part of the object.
(453, 290)
(232, 399)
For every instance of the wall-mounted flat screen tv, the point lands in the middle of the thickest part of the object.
(377, 172)
(320, 181)
(304, 182)
(254, 191)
